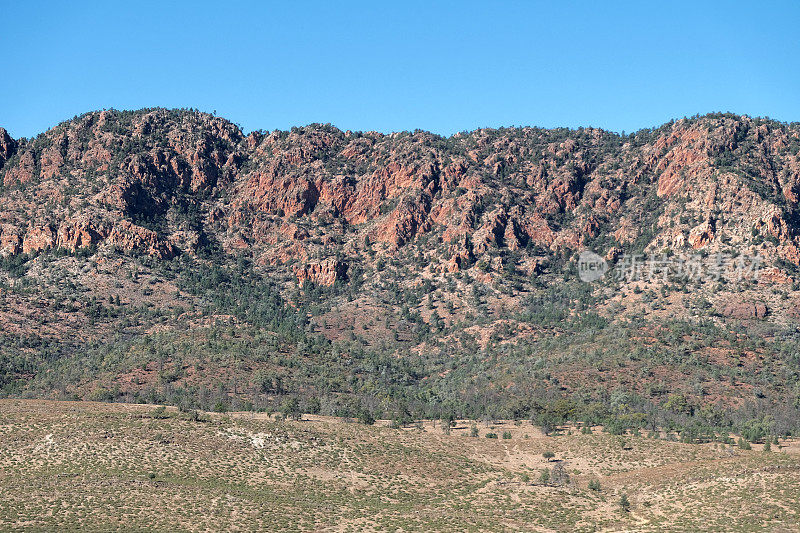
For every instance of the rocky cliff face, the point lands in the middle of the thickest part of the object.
(156, 181)
(315, 200)
(7, 147)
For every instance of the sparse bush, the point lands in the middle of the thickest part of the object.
(624, 503)
(544, 477)
(366, 417)
(559, 475)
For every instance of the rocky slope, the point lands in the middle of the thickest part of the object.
(165, 182)
(460, 233)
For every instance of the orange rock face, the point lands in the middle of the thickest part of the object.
(10, 241)
(76, 234)
(163, 182)
(701, 235)
(38, 238)
(130, 237)
(325, 272)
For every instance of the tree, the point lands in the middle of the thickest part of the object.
(290, 408)
(366, 417)
(548, 455)
(436, 321)
(402, 417)
(448, 420)
(559, 475)
(545, 476)
(314, 406)
(445, 429)
(624, 503)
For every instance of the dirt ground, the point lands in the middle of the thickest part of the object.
(84, 465)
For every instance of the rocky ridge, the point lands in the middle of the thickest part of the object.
(162, 182)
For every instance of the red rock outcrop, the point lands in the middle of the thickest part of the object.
(22, 172)
(325, 272)
(10, 241)
(745, 310)
(75, 234)
(285, 196)
(38, 238)
(8, 147)
(129, 237)
(702, 235)
(406, 220)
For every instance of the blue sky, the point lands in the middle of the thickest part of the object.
(438, 66)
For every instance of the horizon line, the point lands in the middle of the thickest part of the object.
(244, 131)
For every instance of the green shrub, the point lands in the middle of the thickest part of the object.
(624, 503)
(544, 477)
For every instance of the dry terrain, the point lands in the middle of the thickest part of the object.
(79, 465)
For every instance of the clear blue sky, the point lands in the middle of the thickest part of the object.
(438, 66)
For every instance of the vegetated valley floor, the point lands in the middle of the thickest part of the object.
(87, 465)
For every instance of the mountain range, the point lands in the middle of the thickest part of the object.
(166, 255)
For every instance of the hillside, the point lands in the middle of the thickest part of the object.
(165, 256)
